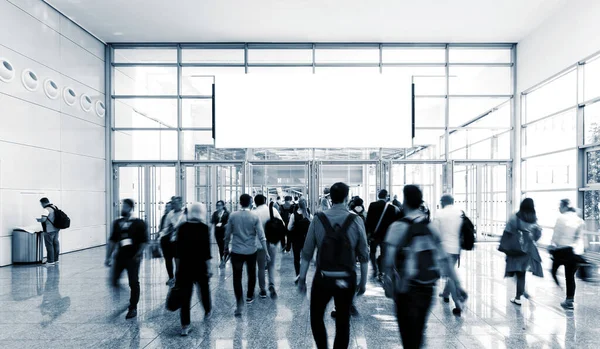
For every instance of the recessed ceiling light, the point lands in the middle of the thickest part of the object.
(100, 109)
(7, 71)
(30, 80)
(86, 102)
(69, 95)
(51, 89)
(117, 33)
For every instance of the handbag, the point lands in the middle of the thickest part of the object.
(174, 300)
(513, 243)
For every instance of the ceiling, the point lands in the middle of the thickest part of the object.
(308, 20)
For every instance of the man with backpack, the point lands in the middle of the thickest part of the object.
(287, 209)
(273, 225)
(339, 237)
(53, 220)
(414, 261)
(380, 215)
(449, 222)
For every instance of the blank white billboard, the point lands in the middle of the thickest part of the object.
(312, 111)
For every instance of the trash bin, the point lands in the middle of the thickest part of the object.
(27, 245)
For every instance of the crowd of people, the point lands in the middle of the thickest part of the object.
(409, 251)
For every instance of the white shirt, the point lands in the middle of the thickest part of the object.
(568, 231)
(262, 212)
(174, 219)
(448, 222)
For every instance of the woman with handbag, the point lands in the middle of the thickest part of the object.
(193, 263)
(567, 247)
(519, 244)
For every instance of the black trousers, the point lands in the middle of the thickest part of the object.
(186, 283)
(237, 262)
(132, 265)
(220, 237)
(566, 257)
(168, 249)
(412, 310)
(342, 291)
(375, 260)
(297, 246)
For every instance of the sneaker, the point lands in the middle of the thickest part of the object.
(222, 265)
(457, 312)
(208, 315)
(131, 314)
(185, 330)
(262, 294)
(272, 291)
(296, 280)
(50, 264)
(250, 300)
(516, 301)
(353, 310)
(567, 304)
(527, 295)
(238, 311)
(171, 282)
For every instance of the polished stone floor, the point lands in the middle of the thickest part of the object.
(72, 306)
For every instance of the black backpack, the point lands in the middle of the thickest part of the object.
(467, 233)
(274, 229)
(301, 224)
(336, 253)
(61, 220)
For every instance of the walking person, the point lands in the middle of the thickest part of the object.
(522, 227)
(193, 260)
(219, 222)
(286, 211)
(263, 212)
(50, 231)
(168, 235)
(449, 223)
(298, 228)
(339, 237)
(380, 216)
(567, 247)
(414, 261)
(243, 228)
(130, 235)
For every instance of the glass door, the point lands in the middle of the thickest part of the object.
(427, 176)
(481, 191)
(150, 187)
(360, 176)
(277, 179)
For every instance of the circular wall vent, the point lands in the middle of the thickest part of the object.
(7, 71)
(86, 102)
(30, 80)
(100, 109)
(51, 89)
(69, 96)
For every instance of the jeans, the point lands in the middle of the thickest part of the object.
(132, 265)
(220, 237)
(261, 261)
(450, 288)
(520, 275)
(237, 262)
(297, 245)
(376, 261)
(566, 257)
(52, 246)
(412, 310)
(168, 249)
(342, 291)
(186, 283)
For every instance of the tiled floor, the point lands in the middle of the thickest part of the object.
(71, 306)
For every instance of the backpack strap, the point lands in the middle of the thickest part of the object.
(326, 223)
(381, 217)
(271, 210)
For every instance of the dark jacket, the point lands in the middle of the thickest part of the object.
(532, 261)
(193, 249)
(373, 215)
(215, 220)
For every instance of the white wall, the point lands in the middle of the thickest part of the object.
(47, 147)
(565, 38)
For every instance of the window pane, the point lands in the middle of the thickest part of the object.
(197, 81)
(159, 113)
(428, 144)
(428, 80)
(470, 55)
(466, 109)
(555, 133)
(413, 55)
(347, 70)
(196, 112)
(480, 80)
(209, 152)
(280, 70)
(502, 148)
(347, 55)
(193, 142)
(430, 112)
(591, 215)
(591, 123)
(551, 98)
(481, 151)
(146, 145)
(230, 56)
(145, 55)
(591, 79)
(280, 56)
(555, 171)
(593, 167)
(546, 206)
(145, 81)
